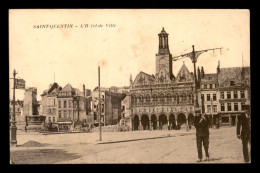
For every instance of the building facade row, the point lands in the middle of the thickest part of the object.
(163, 101)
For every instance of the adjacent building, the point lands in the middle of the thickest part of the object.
(111, 109)
(30, 105)
(49, 102)
(209, 97)
(234, 93)
(66, 107)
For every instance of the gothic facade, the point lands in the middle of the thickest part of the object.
(162, 101)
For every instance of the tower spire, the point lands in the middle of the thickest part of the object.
(163, 42)
(131, 80)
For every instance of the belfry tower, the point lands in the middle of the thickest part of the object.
(164, 57)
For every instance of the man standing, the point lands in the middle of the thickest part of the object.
(244, 133)
(201, 123)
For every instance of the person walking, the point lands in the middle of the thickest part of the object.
(244, 133)
(201, 123)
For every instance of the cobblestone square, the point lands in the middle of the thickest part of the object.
(144, 147)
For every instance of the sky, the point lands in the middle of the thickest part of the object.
(127, 47)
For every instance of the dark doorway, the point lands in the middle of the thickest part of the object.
(181, 119)
(145, 122)
(154, 122)
(163, 122)
(172, 122)
(136, 122)
(190, 119)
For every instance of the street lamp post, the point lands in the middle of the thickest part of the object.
(194, 60)
(99, 105)
(194, 56)
(13, 142)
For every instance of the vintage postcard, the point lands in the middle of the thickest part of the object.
(129, 86)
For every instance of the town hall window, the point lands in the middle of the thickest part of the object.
(162, 98)
(208, 108)
(208, 97)
(214, 108)
(229, 106)
(147, 98)
(214, 97)
(65, 114)
(222, 106)
(59, 114)
(228, 95)
(236, 106)
(210, 86)
(202, 96)
(59, 104)
(169, 98)
(205, 86)
(140, 99)
(183, 98)
(243, 106)
(242, 94)
(95, 116)
(65, 104)
(235, 94)
(222, 95)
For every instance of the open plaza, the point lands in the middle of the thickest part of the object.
(125, 147)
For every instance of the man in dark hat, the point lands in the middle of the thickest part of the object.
(244, 133)
(201, 123)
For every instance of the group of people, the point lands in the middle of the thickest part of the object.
(202, 123)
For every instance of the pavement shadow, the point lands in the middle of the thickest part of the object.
(130, 140)
(41, 156)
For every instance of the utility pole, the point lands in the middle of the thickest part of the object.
(194, 60)
(211, 104)
(13, 125)
(194, 56)
(99, 105)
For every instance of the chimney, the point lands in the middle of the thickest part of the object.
(218, 68)
(202, 72)
(84, 91)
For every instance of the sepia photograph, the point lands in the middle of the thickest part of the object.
(129, 86)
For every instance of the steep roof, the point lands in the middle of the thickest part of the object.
(231, 74)
(67, 88)
(79, 93)
(143, 78)
(211, 77)
(52, 90)
(54, 86)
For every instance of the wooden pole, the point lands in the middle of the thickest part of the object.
(195, 75)
(99, 105)
(13, 126)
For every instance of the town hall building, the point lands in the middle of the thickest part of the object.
(162, 101)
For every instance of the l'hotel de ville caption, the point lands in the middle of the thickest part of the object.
(59, 26)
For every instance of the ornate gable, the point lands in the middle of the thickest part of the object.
(184, 75)
(143, 79)
(162, 76)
